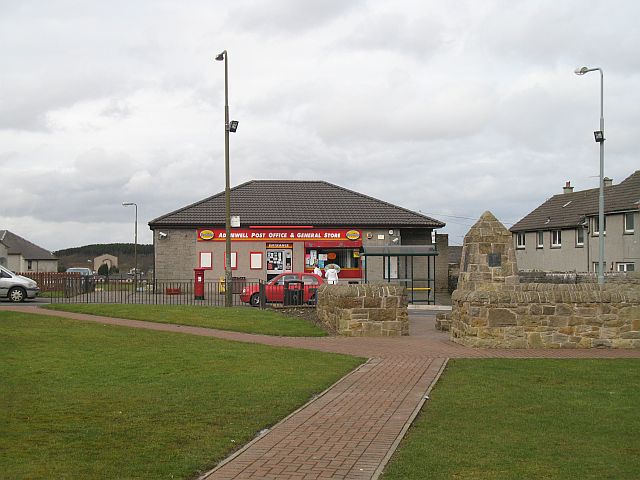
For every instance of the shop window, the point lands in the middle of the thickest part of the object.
(234, 260)
(255, 260)
(343, 257)
(206, 260)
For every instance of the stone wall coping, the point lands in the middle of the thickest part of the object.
(375, 289)
(550, 293)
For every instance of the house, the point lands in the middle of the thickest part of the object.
(287, 225)
(562, 234)
(20, 255)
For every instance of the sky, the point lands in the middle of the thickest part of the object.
(445, 108)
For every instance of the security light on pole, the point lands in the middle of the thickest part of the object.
(227, 189)
(599, 137)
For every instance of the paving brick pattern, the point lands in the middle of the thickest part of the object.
(350, 430)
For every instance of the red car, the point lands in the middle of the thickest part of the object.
(274, 289)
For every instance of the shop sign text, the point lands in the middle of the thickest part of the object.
(247, 234)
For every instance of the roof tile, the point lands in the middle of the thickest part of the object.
(294, 202)
(570, 209)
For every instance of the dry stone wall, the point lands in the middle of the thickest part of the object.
(367, 310)
(548, 316)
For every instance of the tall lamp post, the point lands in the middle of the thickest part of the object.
(228, 302)
(135, 246)
(599, 137)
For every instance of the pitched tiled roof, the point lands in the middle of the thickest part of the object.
(569, 209)
(17, 245)
(293, 202)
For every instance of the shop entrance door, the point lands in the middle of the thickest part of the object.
(278, 261)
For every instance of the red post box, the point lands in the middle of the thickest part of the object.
(198, 284)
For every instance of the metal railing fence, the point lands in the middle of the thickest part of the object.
(155, 292)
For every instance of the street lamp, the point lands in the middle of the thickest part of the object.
(599, 137)
(135, 246)
(227, 190)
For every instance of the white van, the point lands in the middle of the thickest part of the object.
(16, 287)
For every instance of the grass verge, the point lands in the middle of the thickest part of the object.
(84, 400)
(236, 319)
(512, 419)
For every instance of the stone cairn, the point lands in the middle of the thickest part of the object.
(491, 308)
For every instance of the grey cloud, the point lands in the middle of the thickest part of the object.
(283, 16)
(551, 32)
(420, 36)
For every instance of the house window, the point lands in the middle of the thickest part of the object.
(540, 239)
(556, 238)
(29, 264)
(579, 237)
(625, 267)
(596, 227)
(520, 240)
(629, 222)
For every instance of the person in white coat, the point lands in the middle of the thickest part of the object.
(331, 274)
(316, 270)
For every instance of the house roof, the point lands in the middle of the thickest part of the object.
(569, 209)
(16, 245)
(294, 202)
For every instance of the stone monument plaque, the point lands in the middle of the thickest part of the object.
(494, 259)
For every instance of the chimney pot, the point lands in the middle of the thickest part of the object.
(607, 181)
(567, 187)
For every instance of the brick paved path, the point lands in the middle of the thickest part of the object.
(350, 430)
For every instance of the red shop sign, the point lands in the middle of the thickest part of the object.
(285, 234)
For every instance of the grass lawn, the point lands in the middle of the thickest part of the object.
(237, 319)
(527, 419)
(85, 400)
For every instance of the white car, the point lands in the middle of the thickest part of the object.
(16, 287)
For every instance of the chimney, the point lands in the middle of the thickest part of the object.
(567, 188)
(607, 181)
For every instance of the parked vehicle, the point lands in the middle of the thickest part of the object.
(275, 288)
(16, 287)
(84, 284)
(85, 272)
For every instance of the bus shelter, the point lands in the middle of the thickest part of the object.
(413, 266)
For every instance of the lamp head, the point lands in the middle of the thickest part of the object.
(221, 56)
(127, 204)
(581, 70)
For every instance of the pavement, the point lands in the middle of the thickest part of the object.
(351, 430)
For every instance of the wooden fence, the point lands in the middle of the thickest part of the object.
(51, 281)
